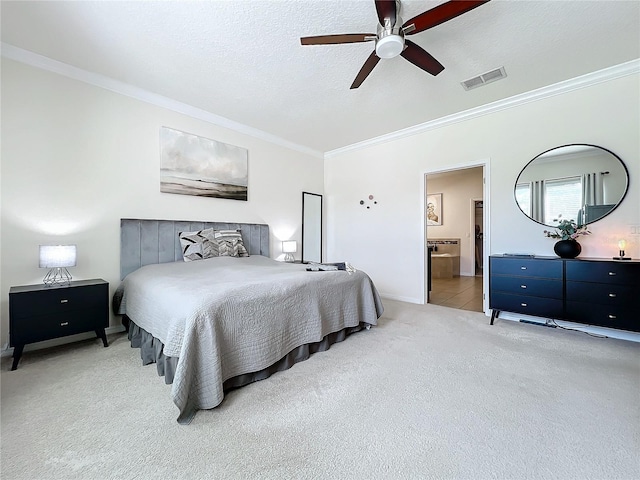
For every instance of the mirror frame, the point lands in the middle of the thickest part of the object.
(624, 167)
(312, 235)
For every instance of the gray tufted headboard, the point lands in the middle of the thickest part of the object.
(144, 242)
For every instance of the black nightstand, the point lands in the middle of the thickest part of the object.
(41, 312)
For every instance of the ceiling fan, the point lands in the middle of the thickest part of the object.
(390, 37)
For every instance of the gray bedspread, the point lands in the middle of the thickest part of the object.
(227, 316)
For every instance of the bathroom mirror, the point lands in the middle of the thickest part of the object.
(578, 182)
(311, 227)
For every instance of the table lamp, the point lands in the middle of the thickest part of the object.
(289, 247)
(622, 244)
(57, 258)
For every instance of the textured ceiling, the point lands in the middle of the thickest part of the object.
(243, 60)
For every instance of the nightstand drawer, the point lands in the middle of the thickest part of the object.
(58, 300)
(45, 327)
(535, 287)
(526, 267)
(619, 273)
(536, 306)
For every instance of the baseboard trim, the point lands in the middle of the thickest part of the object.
(581, 327)
(7, 352)
(401, 298)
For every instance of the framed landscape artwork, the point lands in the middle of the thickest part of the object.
(434, 209)
(193, 165)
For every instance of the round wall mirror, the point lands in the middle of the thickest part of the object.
(583, 183)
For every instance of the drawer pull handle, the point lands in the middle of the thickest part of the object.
(613, 295)
(523, 304)
(64, 324)
(612, 273)
(612, 316)
(523, 286)
(523, 268)
(64, 300)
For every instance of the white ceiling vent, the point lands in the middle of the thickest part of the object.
(485, 78)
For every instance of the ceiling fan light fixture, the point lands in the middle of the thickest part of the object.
(389, 46)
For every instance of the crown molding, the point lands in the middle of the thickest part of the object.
(45, 63)
(604, 75)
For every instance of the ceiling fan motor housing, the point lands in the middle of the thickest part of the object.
(390, 42)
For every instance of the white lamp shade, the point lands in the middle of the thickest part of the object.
(290, 246)
(56, 256)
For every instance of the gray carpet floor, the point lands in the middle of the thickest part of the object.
(431, 392)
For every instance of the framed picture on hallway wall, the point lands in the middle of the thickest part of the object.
(434, 209)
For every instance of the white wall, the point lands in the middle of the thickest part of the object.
(387, 242)
(458, 188)
(76, 158)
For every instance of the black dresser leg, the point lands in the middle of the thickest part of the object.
(17, 353)
(494, 315)
(101, 334)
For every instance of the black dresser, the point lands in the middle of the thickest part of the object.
(592, 291)
(41, 312)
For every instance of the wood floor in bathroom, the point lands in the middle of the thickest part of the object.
(464, 293)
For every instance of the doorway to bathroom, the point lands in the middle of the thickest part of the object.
(455, 236)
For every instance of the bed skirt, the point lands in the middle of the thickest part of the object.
(151, 351)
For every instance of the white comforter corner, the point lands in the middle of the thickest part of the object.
(226, 316)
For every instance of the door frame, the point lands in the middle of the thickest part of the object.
(486, 228)
(472, 229)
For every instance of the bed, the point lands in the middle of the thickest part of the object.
(222, 322)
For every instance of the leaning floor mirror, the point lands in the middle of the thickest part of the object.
(311, 227)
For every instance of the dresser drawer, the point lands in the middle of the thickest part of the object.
(536, 287)
(58, 300)
(536, 306)
(603, 272)
(602, 293)
(526, 267)
(45, 327)
(612, 316)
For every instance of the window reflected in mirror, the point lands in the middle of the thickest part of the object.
(583, 183)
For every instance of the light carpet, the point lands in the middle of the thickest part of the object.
(431, 392)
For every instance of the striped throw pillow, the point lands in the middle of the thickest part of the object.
(230, 243)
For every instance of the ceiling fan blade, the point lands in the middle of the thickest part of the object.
(421, 59)
(440, 14)
(386, 9)
(340, 38)
(366, 69)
